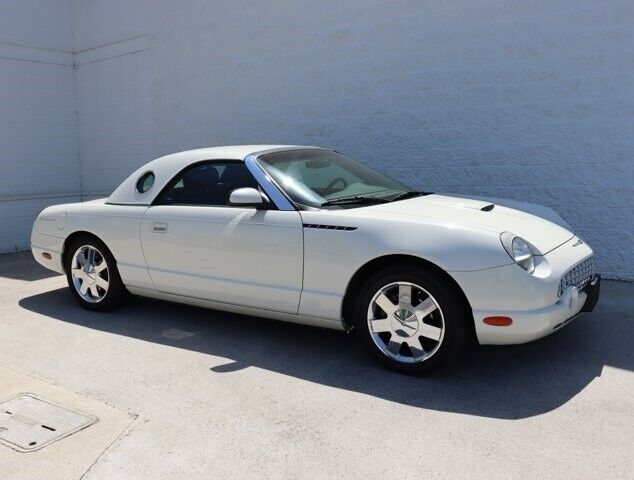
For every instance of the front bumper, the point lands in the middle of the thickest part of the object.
(592, 290)
(531, 301)
(535, 324)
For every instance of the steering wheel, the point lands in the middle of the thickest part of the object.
(334, 182)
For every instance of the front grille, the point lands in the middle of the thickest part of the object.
(579, 276)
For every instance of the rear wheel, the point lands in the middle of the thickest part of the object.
(410, 319)
(92, 274)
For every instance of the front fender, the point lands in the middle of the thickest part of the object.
(331, 257)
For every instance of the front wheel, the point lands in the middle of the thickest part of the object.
(411, 319)
(92, 275)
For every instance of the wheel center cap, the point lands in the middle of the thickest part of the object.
(91, 277)
(405, 322)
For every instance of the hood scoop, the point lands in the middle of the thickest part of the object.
(460, 202)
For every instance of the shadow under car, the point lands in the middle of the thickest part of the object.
(506, 382)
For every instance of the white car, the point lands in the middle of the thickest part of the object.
(305, 234)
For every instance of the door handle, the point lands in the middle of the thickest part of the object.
(159, 227)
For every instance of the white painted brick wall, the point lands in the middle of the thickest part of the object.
(532, 100)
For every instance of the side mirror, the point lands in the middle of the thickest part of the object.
(246, 197)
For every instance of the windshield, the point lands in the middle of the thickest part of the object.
(316, 177)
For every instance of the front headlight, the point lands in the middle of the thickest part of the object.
(519, 250)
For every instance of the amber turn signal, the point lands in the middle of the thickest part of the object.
(46, 255)
(498, 321)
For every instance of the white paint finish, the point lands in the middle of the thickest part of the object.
(246, 197)
(164, 169)
(332, 257)
(117, 226)
(240, 309)
(457, 212)
(279, 263)
(533, 305)
(458, 239)
(17, 217)
(240, 256)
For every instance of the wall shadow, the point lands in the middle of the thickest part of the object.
(508, 382)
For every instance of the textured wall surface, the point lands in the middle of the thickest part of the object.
(531, 100)
(38, 127)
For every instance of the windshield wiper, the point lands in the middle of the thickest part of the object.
(409, 194)
(358, 199)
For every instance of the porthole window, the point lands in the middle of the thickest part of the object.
(145, 182)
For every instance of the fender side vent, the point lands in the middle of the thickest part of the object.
(487, 208)
(328, 227)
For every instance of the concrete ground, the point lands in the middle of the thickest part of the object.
(182, 392)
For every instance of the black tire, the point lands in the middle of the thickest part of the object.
(116, 292)
(453, 318)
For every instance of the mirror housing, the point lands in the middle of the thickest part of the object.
(246, 197)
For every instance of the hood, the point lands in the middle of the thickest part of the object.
(540, 211)
(541, 232)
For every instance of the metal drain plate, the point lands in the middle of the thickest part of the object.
(29, 423)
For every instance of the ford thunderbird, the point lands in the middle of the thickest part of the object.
(307, 235)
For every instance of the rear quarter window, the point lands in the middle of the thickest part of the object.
(145, 182)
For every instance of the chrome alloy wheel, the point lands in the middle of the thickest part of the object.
(89, 271)
(406, 322)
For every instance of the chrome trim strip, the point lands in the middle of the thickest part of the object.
(270, 187)
(267, 184)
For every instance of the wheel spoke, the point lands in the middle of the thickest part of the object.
(415, 346)
(386, 304)
(89, 273)
(380, 325)
(91, 257)
(429, 331)
(405, 294)
(416, 319)
(426, 307)
(394, 345)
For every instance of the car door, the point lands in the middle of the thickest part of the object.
(197, 245)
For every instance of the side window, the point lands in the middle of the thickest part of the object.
(207, 184)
